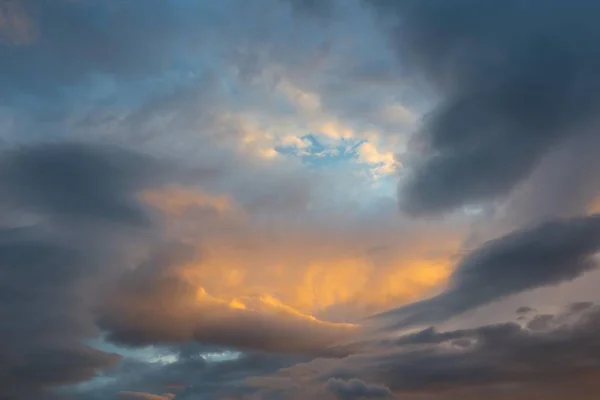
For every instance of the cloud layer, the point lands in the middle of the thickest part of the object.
(199, 200)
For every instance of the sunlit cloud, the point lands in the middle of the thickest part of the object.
(291, 266)
(299, 199)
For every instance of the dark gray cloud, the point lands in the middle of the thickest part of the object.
(524, 310)
(517, 78)
(503, 353)
(540, 322)
(547, 254)
(355, 389)
(500, 361)
(77, 180)
(53, 271)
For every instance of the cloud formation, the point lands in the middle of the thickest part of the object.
(516, 80)
(548, 254)
(471, 363)
(89, 265)
(152, 305)
(491, 354)
(204, 204)
(48, 266)
(275, 261)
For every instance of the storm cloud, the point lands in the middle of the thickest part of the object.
(516, 79)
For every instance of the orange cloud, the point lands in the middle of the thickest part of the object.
(147, 307)
(317, 267)
(594, 206)
(350, 287)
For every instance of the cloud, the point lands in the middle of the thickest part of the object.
(491, 353)
(229, 100)
(499, 361)
(189, 376)
(159, 302)
(52, 268)
(109, 235)
(71, 224)
(153, 305)
(242, 271)
(285, 258)
(515, 80)
(145, 396)
(547, 254)
(77, 181)
(524, 310)
(129, 42)
(355, 389)
(540, 322)
(564, 184)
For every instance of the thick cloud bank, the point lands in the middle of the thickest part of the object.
(65, 208)
(517, 78)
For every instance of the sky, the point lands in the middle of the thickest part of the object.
(292, 199)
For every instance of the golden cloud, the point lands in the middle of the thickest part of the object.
(317, 268)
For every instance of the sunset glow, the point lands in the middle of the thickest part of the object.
(299, 199)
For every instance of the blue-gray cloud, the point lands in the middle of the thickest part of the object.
(516, 79)
(74, 41)
(78, 181)
(48, 268)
